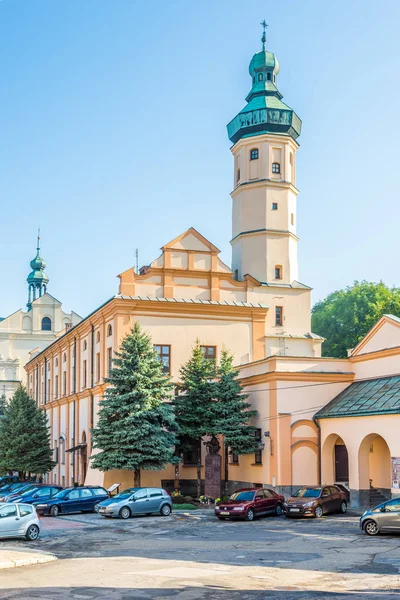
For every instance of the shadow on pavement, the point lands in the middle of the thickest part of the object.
(186, 593)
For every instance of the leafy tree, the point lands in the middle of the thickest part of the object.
(234, 413)
(345, 316)
(136, 427)
(195, 407)
(25, 437)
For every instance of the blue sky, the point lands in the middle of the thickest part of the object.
(113, 134)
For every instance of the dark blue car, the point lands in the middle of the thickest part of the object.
(36, 494)
(72, 500)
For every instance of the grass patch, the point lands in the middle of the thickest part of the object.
(185, 507)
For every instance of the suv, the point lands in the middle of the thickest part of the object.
(72, 500)
(315, 502)
(137, 501)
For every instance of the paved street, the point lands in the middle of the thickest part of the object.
(192, 556)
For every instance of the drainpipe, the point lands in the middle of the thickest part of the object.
(45, 380)
(92, 358)
(74, 380)
(37, 385)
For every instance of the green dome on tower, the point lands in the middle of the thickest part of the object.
(37, 279)
(265, 112)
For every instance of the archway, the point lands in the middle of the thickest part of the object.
(335, 460)
(374, 468)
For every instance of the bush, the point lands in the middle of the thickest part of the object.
(179, 499)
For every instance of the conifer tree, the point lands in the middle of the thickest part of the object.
(195, 408)
(136, 427)
(234, 413)
(3, 404)
(24, 437)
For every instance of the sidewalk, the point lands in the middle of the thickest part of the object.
(14, 557)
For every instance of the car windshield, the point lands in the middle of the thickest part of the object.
(25, 488)
(62, 493)
(242, 496)
(28, 491)
(307, 493)
(126, 493)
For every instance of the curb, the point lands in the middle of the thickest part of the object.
(9, 558)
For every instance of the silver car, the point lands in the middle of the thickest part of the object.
(383, 518)
(19, 520)
(137, 501)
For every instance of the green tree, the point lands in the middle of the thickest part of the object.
(3, 404)
(234, 413)
(195, 406)
(25, 437)
(136, 427)
(345, 316)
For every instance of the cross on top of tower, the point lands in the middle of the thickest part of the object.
(264, 25)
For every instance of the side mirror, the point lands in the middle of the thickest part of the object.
(383, 509)
(36, 496)
(132, 499)
(324, 496)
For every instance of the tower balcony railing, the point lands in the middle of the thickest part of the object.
(264, 120)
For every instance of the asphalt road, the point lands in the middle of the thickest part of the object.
(194, 556)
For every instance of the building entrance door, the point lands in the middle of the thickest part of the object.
(341, 463)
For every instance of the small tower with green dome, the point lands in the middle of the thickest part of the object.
(264, 213)
(37, 279)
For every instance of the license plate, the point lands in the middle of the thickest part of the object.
(225, 514)
(102, 510)
(294, 510)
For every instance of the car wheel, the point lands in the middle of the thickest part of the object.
(96, 508)
(278, 510)
(250, 515)
(124, 513)
(32, 533)
(165, 510)
(371, 528)
(54, 511)
(343, 507)
(319, 511)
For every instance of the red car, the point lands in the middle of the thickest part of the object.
(249, 503)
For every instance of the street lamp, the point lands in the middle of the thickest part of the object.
(61, 439)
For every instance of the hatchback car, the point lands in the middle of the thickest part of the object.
(36, 494)
(250, 503)
(315, 502)
(384, 518)
(137, 501)
(72, 500)
(19, 520)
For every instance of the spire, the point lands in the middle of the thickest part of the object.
(37, 279)
(264, 35)
(265, 112)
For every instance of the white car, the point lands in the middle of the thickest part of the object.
(19, 520)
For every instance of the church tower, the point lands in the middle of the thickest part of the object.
(264, 134)
(37, 279)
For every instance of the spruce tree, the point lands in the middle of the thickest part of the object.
(3, 405)
(24, 437)
(234, 413)
(136, 427)
(195, 408)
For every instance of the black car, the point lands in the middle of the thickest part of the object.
(72, 500)
(38, 493)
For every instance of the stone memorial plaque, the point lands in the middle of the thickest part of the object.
(212, 487)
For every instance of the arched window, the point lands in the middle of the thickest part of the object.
(254, 79)
(46, 324)
(276, 167)
(260, 77)
(56, 363)
(64, 357)
(254, 154)
(84, 345)
(269, 76)
(109, 331)
(98, 337)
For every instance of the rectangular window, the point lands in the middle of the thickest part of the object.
(258, 453)
(191, 451)
(97, 367)
(278, 272)
(55, 452)
(209, 352)
(56, 388)
(109, 360)
(238, 175)
(276, 167)
(235, 458)
(84, 374)
(254, 154)
(64, 390)
(274, 206)
(292, 218)
(279, 315)
(164, 356)
(48, 391)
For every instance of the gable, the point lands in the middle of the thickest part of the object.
(47, 299)
(191, 240)
(385, 334)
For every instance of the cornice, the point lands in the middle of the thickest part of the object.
(309, 376)
(375, 354)
(26, 336)
(256, 183)
(278, 232)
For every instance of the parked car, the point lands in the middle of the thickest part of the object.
(19, 520)
(36, 494)
(315, 502)
(11, 486)
(70, 500)
(15, 491)
(249, 503)
(384, 518)
(137, 501)
(7, 479)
